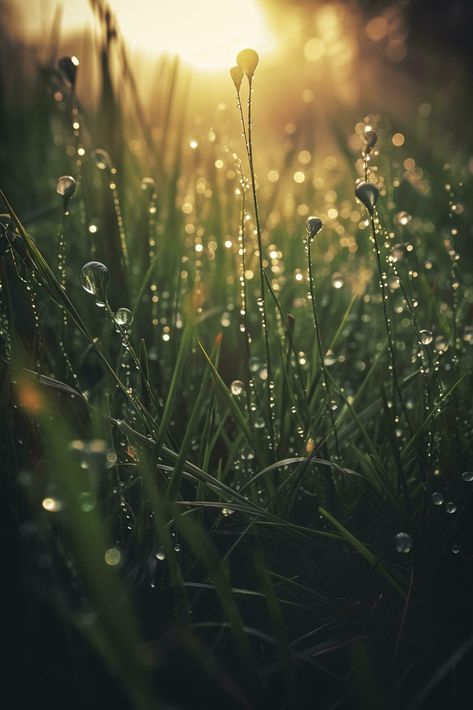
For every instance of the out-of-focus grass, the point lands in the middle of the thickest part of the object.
(201, 563)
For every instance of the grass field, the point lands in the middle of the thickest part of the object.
(236, 374)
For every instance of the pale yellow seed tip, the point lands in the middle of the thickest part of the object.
(237, 76)
(248, 60)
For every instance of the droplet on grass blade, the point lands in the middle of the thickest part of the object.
(313, 226)
(68, 67)
(425, 337)
(123, 317)
(66, 186)
(467, 476)
(95, 277)
(403, 218)
(148, 184)
(371, 138)
(437, 498)
(403, 542)
(368, 194)
(237, 387)
(102, 159)
(248, 60)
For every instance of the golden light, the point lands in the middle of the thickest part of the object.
(206, 34)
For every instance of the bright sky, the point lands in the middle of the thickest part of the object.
(205, 33)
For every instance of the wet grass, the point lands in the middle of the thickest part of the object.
(237, 455)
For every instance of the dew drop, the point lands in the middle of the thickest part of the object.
(467, 476)
(450, 508)
(95, 277)
(123, 317)
(403, 218)
(437, 498)
(160, 554)
(425, 337)
(403, 542)
(237, 387)
(113, 556)
(102, 159)
(52, 504)
(65, 186)
(337, 280)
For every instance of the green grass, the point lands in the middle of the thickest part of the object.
(253, 533)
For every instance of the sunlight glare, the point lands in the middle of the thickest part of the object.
(205, 34)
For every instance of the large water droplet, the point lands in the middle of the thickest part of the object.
(95, 277)
(368, 194)
(113, 556)
(437, 498)
(313, 226)
(371, 138)
(467, 476)
(237, 387)
(403, 542)
(123, 317)
(337, 280)
(148, 184)
(102, 159)
(425, 337)
(451, 508)
(66, 186)
(403, 218)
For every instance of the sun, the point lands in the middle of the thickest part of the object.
(206, 34)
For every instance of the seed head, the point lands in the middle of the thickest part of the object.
(68, 68)
(371, 138)
(237, 76)
(248, 60)
(65, 186)
(313, 226)
(368, 194)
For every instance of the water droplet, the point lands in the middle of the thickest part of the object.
(437, 498)
(87, 501)
(68, 67)
(455, 549)
(450, 508)
(237, 387)
(467, 476)
(337, 280)
(403, 218)
(52, 504)
(368, 194)
(248, 60)
(371, 137)
(66, 186)
(95, 277)
(160, 554)
(403, 542)
(123, 317)
(102, 159)
(425, 337)
(113, 556)
(148, 184)
(313, 226)
(227, 511)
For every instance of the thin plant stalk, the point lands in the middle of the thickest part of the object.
(320, 348)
